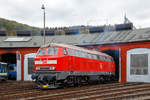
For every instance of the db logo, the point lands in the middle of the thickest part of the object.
(44, 61)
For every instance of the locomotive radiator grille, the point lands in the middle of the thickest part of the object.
(46, 68)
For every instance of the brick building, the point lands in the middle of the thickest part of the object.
(130, 49)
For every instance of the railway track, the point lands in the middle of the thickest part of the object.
(29, 91)
(33, 92)
(15, 85)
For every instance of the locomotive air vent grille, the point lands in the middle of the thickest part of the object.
(45, 68)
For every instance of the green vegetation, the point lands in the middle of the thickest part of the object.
(12, 26)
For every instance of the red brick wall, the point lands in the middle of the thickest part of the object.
(22, 51)
(124, 47)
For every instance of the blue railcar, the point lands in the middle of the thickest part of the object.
(48, 32)
(23, 33)
(3, 33)
(12, 71)
(97, 29)
(120, 27)
(3, 71)
(72, 31)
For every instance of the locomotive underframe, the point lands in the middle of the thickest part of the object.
(55, 79)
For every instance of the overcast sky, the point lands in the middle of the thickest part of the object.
(61, 13)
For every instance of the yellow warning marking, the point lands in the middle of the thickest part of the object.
(44, 86)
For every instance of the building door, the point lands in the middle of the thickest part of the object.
(28, 66)
(138, 65)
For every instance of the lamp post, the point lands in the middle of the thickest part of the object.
(43, 7)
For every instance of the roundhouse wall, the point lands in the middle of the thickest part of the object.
(124, 47)
(22, 51)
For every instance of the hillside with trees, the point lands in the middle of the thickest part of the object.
(11, 27)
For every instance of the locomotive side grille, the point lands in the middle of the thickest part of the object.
(45, 68)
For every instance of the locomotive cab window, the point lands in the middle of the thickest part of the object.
(52, 51)
(41, 51)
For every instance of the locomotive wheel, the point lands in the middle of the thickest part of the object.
(101, 79)
(68, 81)
(76, 81)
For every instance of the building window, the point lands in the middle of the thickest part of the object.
(139, 64)
(30, 65)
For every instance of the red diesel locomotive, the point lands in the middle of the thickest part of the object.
(60, 65)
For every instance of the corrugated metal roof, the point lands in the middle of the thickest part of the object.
(81, 39)
(17, 39)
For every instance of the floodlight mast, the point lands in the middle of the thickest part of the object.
(43, 7)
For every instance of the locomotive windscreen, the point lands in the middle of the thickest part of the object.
(41, 51)
(52, 51)
(47, 51)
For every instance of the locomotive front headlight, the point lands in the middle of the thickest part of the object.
(51, 68)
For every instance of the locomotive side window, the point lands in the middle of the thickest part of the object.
(52, 51)
(94, 57)
(97, 57)
(109, 59)
(87, 55)
(112, 59)
(70, 52)
(41, 51)
(105, 59)
(101, 58)
(80, 54)
(77, 53)
(64, 51)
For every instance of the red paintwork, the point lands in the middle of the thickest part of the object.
(72, 63)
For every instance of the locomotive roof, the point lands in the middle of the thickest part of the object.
(76, 48)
